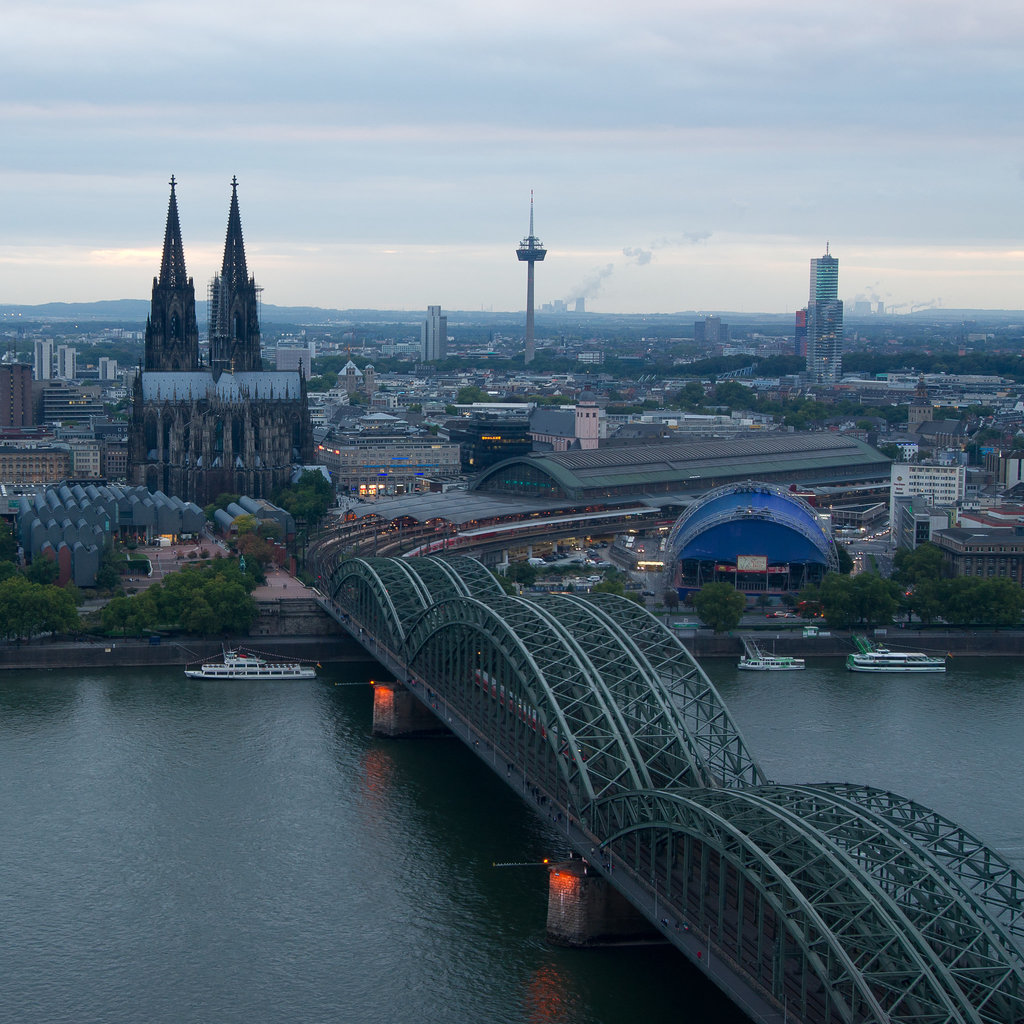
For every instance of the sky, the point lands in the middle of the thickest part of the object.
(683, 154)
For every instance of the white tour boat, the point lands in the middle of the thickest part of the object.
(869, 658)
(771, 663)
(757, 660)
(240, 665)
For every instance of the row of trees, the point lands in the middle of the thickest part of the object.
(867, 600)
(212, 598)
(28, 609)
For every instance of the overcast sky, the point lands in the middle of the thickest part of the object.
(684, 155)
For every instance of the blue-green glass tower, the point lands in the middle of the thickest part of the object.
(824, 322)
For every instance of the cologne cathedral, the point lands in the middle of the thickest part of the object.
(229, 426)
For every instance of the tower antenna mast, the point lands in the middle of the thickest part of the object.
(531, 250)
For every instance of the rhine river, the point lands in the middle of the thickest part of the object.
(189, 852)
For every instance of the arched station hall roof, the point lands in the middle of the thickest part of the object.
(752, 518)
(686, 468)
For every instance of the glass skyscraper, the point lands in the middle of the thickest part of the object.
(824, 323)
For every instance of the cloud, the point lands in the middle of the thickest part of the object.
(639, 256)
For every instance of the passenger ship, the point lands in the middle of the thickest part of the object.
(869, 658)
(239, 665)
(758, 660)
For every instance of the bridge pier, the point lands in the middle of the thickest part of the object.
(585, 910)
(396, 712)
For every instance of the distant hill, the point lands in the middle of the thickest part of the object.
(135, 311)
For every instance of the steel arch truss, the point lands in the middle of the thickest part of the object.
(705, 719)
(825, 904)
(842, 902)
(595, 690)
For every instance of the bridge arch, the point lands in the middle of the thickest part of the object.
(840, 902)
(886, 936)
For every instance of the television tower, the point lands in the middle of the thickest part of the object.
(530, 251)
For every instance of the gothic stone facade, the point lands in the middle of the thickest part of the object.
(200, 431)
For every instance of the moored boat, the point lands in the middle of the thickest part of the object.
(758, 660)
(242, 665)
(770, 663)
(871, 658)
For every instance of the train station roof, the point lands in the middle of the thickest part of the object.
(687, 468)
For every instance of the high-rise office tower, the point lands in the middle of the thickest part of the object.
(15, 395)
(824, 322)
(710, 330)
(531, 250)
(42, 365)
(67, 362)
(800, 334)
(434, 336)
(108, 368)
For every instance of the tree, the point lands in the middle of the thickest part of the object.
(307, 499)
(720, 606)
(852, 600)
(845, 561)
(470, 394)
(522, 572)
(107, 576)
(220, 502)
(8, 545)
(912, 566)
(245, 523)
(42, 570)
(670, 599)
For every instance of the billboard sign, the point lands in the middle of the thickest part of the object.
(751, 563)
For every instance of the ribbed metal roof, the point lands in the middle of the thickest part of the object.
(684, 465)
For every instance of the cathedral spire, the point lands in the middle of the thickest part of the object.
(172, 336)
(172, 265)
(233, 270)
(234, 305)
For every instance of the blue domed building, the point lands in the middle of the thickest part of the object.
(757, 536)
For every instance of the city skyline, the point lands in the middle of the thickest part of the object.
(678, 162)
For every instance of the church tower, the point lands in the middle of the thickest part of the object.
(921, 409)
(234, 305)
(172, 334)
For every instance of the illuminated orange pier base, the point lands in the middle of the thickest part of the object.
(584, 910)
(396, 712)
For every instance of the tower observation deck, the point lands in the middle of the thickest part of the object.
(531, 250)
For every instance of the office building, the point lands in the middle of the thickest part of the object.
(710, 331)
(108, 368)
(824, 323)
(16, 395)
(43, 362)
(67, 362)
(434, 336)
(800, 334)
(944, 486)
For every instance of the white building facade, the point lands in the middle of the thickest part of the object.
(938, 485)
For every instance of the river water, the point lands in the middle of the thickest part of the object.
(179, 851)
